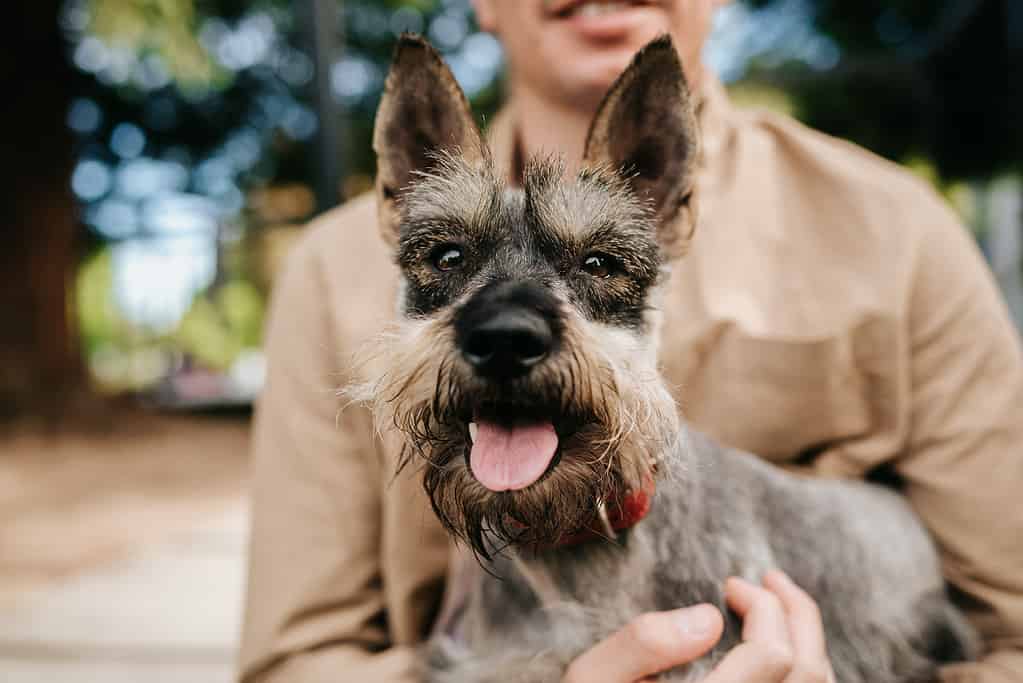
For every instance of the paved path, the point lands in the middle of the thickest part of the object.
(167, 614)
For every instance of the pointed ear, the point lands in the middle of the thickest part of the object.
(422, 112)
(646, 128)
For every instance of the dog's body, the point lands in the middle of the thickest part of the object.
(524, 376)
(856, 548)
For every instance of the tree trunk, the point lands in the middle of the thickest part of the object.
(40, 366)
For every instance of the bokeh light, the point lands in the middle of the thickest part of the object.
(199, 124)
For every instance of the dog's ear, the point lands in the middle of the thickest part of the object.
(422, 112)
(646, 128)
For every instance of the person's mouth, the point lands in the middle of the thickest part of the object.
(601, 20)
(589, 9)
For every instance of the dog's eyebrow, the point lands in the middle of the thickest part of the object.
(630, 236)
(452, 193)
(633, 244)
(420, 237)
(427, 214)
(433, 227)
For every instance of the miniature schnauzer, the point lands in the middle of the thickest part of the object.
(522, 377)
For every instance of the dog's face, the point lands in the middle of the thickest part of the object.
(523, 372)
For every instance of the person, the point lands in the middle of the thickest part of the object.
(831, 316)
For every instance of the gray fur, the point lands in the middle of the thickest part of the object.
(856, 548)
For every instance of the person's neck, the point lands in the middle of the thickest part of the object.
(544, 126)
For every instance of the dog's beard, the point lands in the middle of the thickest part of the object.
(616, 420)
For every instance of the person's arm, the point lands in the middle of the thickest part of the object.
(963, 466)
(315, 608)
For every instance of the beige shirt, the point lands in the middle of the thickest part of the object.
(832, 314)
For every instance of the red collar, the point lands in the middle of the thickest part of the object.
(622, 513)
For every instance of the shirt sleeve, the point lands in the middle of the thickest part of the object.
(963, 468)
(314, 604)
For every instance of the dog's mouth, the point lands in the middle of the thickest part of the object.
(510, 451)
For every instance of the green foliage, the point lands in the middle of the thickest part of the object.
(221, 324)
(242, 308)
(928, 84)
(164, 29)
(99, 319)
(204, 335)
(916, 78)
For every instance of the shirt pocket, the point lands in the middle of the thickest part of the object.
(781, 397)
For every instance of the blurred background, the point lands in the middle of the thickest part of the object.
(162, 155)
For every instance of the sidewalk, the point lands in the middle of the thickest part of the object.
(122, 552)
(170, 614)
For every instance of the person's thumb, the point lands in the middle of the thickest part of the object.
(649, 644)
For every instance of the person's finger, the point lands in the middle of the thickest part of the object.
(763, 617)
(649, 644)
(806, 627)
(753, 662)
(765, 655)
(804, 617)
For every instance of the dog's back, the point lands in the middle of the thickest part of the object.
(856, 548)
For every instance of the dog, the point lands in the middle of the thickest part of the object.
(522, 379)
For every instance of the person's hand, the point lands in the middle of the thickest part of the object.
(649, 644)
(782, 635)
(783, 640)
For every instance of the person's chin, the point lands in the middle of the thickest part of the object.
(594, 74)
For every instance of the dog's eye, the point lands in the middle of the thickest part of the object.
(448, 257)
(599, 265)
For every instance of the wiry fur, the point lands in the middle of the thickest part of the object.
(619, 415)
(856, 548)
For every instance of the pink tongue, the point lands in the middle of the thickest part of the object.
(505, 458)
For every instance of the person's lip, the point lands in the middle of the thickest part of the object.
(563, 9)
(600, 20)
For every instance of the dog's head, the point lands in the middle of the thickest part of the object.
(523, 373)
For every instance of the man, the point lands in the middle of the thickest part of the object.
(831, 316)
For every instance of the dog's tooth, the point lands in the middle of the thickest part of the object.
(472, 431)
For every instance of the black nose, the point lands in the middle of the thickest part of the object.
(508, 343)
